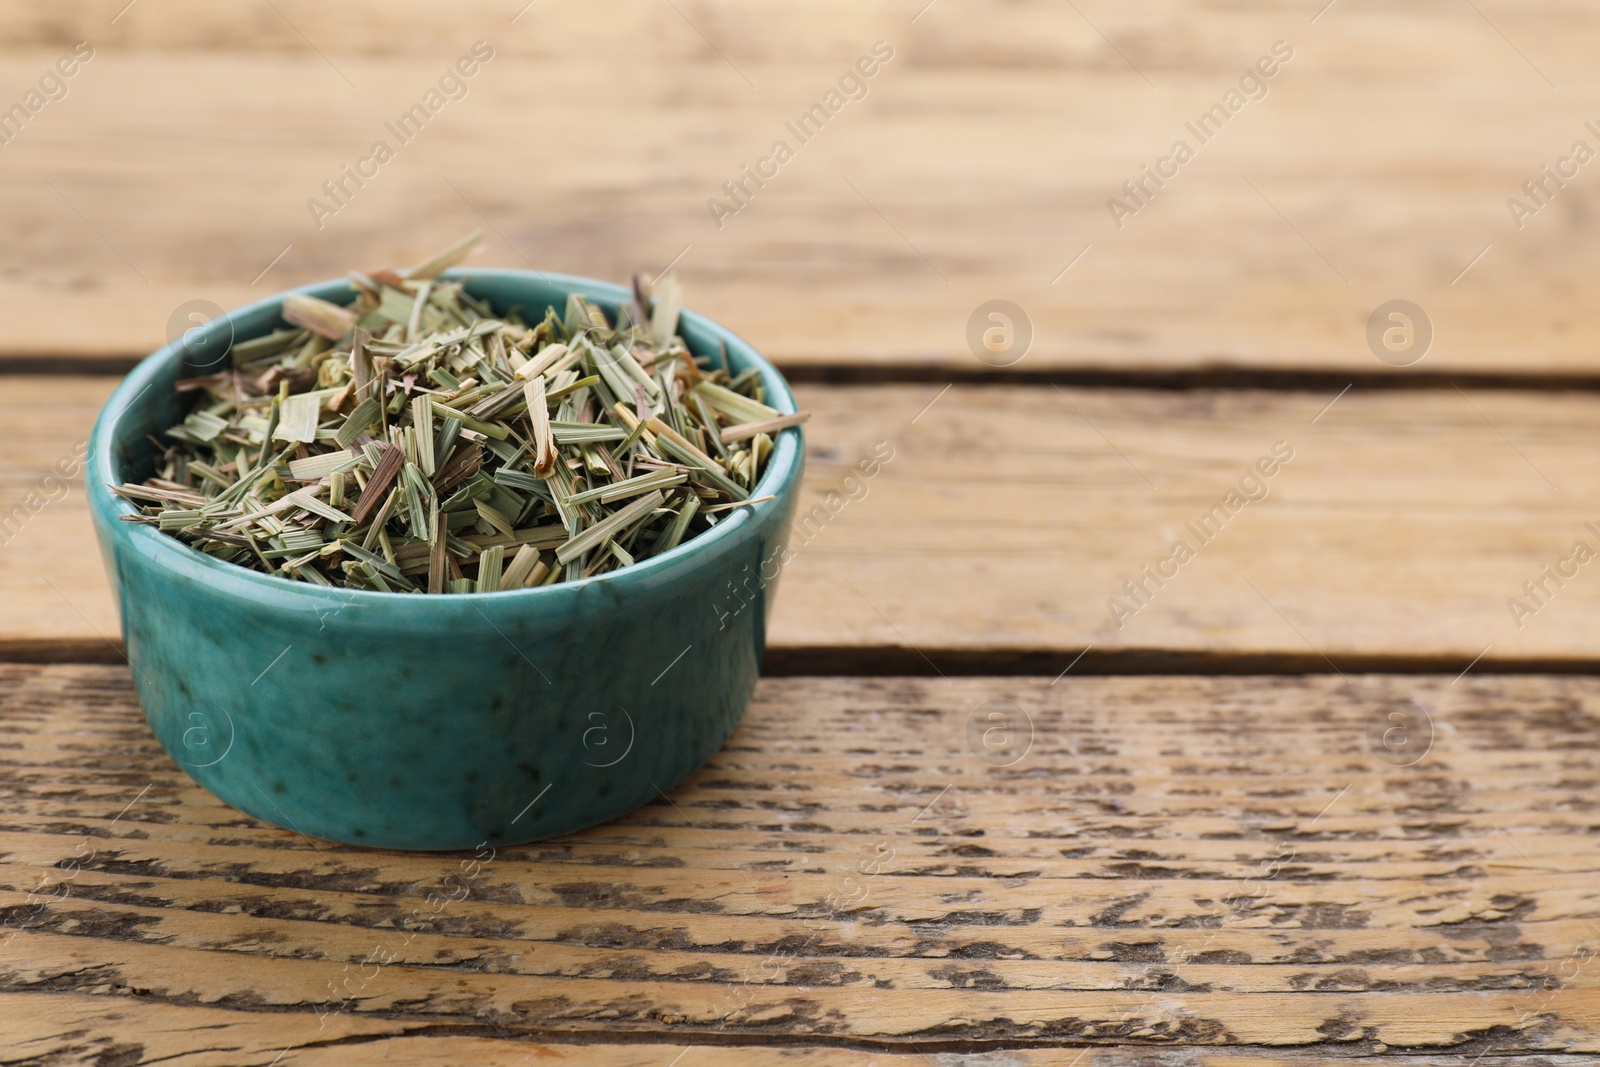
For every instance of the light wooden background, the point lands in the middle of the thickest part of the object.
(1112, 897)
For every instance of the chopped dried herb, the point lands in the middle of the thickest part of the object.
(416, 440)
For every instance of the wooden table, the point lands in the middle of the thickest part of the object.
(1324, 793)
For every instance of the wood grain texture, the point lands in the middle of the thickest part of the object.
(978, 166)
(77, 1028)
(1245, 863)
(987, 871)
(1010, 518)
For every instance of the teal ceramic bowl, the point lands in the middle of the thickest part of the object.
(437, 722)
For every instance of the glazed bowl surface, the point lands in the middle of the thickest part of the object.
(437, 722)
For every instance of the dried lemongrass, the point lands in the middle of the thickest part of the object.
(418, 441)
(747, 430)
(318, 316)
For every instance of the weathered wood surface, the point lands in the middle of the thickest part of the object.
(1247, 863)
(1205, 872)
(1010, 516)
(978, 166)
(86, 1026)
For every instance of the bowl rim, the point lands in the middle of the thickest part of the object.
(778, 480)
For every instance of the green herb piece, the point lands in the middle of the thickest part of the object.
(680, 525)
(303, 498)
(358, 422)
(609, 527)
(490, 563)
(745, 431)
(641, 483)
(494, 517)
(539, 423)
(313, 468)
(664, 318)
(422, 423)
(551, 361)
(583, 433)
(619, 553)
(297, 418)
(438, 571)
(734, 404)
(488, 429)
(677, 448)
(378, 564)
(318, 316)
(573, 387)
(525, 569)
(416, 490)
(201, 426)
(440, 262)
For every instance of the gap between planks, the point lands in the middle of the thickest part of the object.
(891, 661)
(1221, 375)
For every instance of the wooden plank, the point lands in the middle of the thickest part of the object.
(1226, 861)
(978, 166)
(78, 1028)
(1003, 530)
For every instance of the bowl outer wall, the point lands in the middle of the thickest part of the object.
(407, 721)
